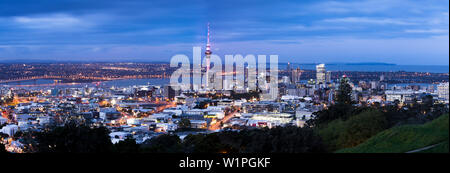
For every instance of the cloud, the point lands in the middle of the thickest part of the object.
(431, 31)
(430, 50)
(54, 21)
(367, 20)
(367, 6)
(406, 51)
(382, 7)
(315, 28)
(140, 28)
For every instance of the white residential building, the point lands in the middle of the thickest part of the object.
(10, 129)
(401, 95)
(443, 92)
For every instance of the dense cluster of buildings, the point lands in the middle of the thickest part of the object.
(145, 111)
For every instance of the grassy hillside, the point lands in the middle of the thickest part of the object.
(406, 138)
(441, 148)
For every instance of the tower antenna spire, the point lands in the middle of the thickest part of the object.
(208, 45)
(208, 57)
(208, 33)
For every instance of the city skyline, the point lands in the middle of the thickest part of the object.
(400, 32)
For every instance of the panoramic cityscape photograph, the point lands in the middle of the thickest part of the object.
(217, 84)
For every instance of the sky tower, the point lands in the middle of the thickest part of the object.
(208, 58)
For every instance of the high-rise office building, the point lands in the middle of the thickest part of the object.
(288, 67)
(289, 72)
(169, 92)
(320, 74)
(328, 77)
(295, 75)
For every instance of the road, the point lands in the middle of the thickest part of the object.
(225, 119)
(45, 85)
(165, 105)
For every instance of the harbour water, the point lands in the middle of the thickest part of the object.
(132, 82)
(41, 83)
(373, 68)
(330, 67)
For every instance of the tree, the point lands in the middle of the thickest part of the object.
(427, 103)
(247, 96)
(330, 134)
(184, 123)
(3, 136)
(344, 92)
(2, 148)
(292, 139)
(288, 139)
(361, 127)
(202, 143)
(128, 145)
(165, 143)
(75, 138)
(341, 110)
(340, 133)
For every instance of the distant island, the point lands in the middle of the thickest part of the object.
(368, 63)
(342, 63)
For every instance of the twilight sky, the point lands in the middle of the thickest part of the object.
(408, 32)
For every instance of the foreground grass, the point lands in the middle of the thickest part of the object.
(406, 138)
(441, 148)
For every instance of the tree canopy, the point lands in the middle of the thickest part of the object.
(357, 129)
(74, 138)
(2, 148)
(344, 92)
(184, 123)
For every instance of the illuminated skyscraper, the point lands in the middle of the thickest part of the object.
(320, 74)
(288, 67)
(328, 77)
(295, 76)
